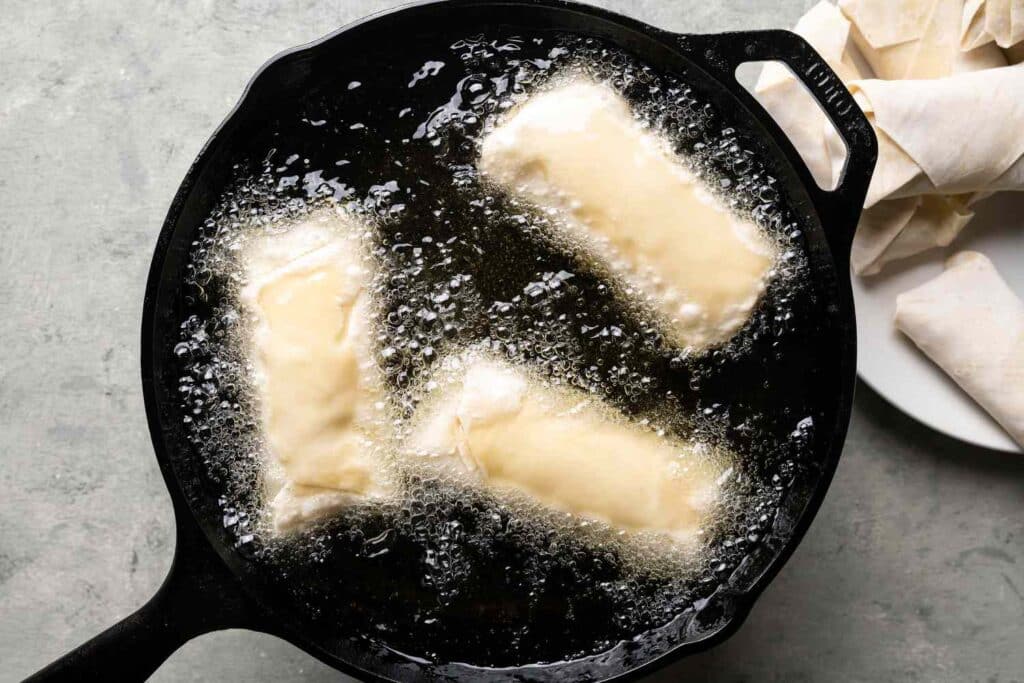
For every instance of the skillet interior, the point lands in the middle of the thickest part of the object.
(807, 373)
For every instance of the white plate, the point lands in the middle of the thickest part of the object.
(895, 368)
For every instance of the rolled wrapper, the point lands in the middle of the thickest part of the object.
(880, 238)
(992, 21)
(971, 324)
(899, 228)
(954, 135)
(636, 208)
(912, 39)
(504, 429)
(315, 377)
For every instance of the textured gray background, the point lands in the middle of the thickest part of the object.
(914, 570)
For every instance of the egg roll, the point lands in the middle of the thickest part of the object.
(891, 229)
(315, 378)
(638, 209)
(915, 39)
(951, 135)
(502, 428)
(899, 228)
(911, 39)
(985, 22)
(971, 324)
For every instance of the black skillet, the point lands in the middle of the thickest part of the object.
(212, 586)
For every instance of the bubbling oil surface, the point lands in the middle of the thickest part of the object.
(444, 572)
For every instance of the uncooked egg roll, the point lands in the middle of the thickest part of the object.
(909, 39)
(951, 135)
(897, 228)
(971, 324)
(915, 44)
(992, 21)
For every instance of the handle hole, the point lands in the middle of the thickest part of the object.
(801, 118)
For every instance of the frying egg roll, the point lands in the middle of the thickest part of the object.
(315, 377)
(578, 147)
(506, 430)
(971, 324)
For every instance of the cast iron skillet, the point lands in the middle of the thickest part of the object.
(210, 585)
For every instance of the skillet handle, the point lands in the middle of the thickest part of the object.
(839, 208)
(199, 595)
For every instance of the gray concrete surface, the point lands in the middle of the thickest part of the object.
(914, 570)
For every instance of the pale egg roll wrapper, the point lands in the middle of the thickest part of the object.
(910, 39)
(953, 135)
(898, 228)
(880, 236)
(992, 22)
(914, 39)
(971, 324)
